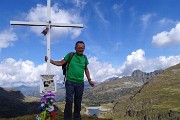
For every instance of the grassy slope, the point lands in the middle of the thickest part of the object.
(166, 89)
(15, 106)
(160, 97)
(58, 116)
(58, 113)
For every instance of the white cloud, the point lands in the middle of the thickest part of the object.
(137, 60)
(117, 9)
(100, 14)
(79, 3)
(167, 38)
(166, 21)
(162, 62)
(39, 13)
(100, 71)
(146, 18)
(7, 37)
(134, 61)
(20, 72)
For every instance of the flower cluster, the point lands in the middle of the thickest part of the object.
(46, 107)
(47, 102)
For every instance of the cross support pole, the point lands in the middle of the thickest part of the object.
(49, 25)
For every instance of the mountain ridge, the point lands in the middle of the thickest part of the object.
(13, 105)
(109, 91)
(139, 96)
(159, 99)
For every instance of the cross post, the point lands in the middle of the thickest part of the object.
(48, 24)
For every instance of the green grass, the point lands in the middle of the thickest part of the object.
(58, 114)
(158, 97)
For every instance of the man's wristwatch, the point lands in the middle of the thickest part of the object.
(89, 79)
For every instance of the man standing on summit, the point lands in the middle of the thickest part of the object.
(75, 80)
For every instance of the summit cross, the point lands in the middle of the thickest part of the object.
(48, 25)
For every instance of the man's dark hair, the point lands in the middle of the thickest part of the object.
(79, 42)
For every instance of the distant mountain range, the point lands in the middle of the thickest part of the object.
(35, 91)
(29, 91)
(127, 84)
(113, 88)
(141, 95)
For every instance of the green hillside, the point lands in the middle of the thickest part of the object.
(158, 100)
(15, 106)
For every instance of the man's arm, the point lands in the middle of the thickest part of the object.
(88, 77)
(57, 63)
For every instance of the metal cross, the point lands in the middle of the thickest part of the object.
(48, 24)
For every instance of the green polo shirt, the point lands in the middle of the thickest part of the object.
(75, 72)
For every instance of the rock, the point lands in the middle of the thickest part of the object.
(144, 77)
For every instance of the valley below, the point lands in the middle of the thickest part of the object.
(140, 96)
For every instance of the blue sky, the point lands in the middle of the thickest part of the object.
(120, 36)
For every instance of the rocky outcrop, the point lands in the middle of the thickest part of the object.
(158, 98)
(153, 115)
(144, 77)
(112, 89)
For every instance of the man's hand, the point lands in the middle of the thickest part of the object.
(91, 83)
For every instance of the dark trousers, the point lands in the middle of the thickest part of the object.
(74, 92)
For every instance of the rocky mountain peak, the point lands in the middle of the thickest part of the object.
(144, 77)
